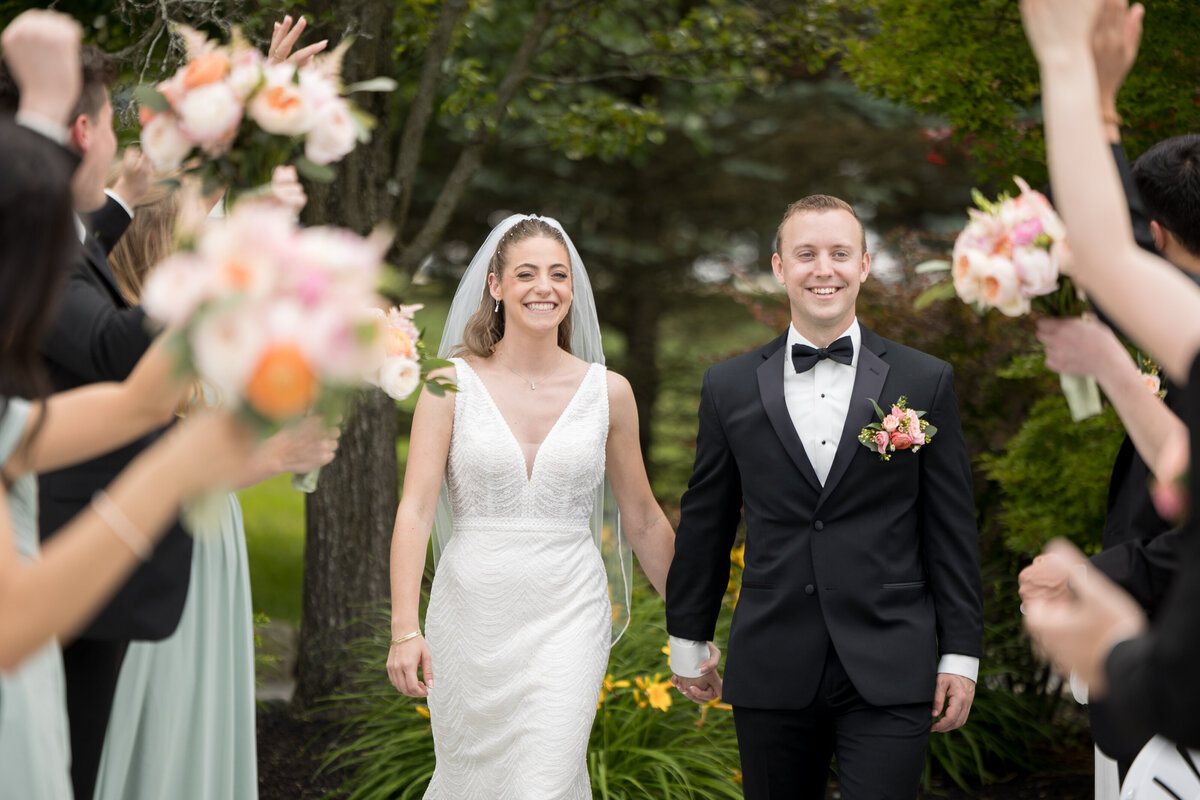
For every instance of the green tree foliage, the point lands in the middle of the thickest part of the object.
(968, 63)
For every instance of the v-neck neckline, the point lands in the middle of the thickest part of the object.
(529, 468)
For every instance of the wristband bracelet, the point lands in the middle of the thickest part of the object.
(406, 637)
(118, 523)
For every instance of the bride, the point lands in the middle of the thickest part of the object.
(521, 613)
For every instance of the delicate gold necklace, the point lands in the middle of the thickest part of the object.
(532, 383)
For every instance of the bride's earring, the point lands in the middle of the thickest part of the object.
(496, 310)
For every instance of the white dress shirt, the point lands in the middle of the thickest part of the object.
(817, 401)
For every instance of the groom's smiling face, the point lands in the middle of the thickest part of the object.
(822, 264)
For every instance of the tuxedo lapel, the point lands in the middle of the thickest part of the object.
(868, 382)
(770, 389)
(94, 255)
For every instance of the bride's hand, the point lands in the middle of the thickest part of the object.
(402, 663)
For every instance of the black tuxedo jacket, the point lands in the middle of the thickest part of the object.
(97, 337)
(882, 561)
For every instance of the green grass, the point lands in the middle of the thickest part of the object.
(274, 520)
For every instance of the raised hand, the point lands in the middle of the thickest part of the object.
(287, 190)
(284, 38)
(41, 52)
(1115, 47)
(402, 663)
(136, 178)
(1060, 28)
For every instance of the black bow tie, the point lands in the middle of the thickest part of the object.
(805, 358)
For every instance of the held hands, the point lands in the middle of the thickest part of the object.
(1076, 630)
(403, 660)
(708, 686)
(951, 701)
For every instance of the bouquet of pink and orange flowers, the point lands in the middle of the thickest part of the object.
(282, 321)
(1013, 256)
(242, 116)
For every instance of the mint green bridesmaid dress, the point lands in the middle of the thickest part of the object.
(182, 725)
(35, 748)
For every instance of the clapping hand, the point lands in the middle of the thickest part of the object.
(708, 686)
(1075, 631)
(41, 52)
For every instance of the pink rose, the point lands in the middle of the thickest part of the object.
(1153, 382)
(881, 441)
(210, 116)
(1025, 233)
(892, 421)
(918, 438)
(901, 440)
(164, 142)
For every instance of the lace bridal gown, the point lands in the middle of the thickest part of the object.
(519, 619)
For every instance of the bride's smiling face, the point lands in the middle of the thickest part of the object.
(534, 286)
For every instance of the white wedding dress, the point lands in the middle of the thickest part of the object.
(519, 620)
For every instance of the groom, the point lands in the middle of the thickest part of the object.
(859, 572)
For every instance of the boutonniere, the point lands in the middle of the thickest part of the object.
(902, 429)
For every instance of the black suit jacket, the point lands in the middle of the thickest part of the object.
(98, 337)
(882, 561)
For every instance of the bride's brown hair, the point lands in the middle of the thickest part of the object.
(486, 325)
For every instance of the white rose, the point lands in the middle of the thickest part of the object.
(280, 107)
(398, 377)
(164, 142)
(966, 270)
(1039, 275)
(333, 135)
(175, 288)
(1001, 289)
(227, 348)
(210, 115)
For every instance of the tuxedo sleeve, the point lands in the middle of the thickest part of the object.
(1152, 679)
(709, 515)
(109, 222)
(93, 339)
(1146, 568)
(948, 531)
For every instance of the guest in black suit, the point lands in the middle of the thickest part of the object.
(859, 572)
(97, 337)
(1096, 630)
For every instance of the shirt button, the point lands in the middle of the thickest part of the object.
(818, 525)
(810, 589)
(822, 395)
(822, 441)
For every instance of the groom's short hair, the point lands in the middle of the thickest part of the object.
(1168, 181)
(819, 202)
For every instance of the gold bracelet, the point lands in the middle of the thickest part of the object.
(112, 515)
(406, 637)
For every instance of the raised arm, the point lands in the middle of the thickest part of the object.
(83, 423)
(83, 564)
(1142, 293)
(428, 449)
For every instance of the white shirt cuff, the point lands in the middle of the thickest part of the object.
(120, 201)
(52, 130)
(966, 666)
(687, 656)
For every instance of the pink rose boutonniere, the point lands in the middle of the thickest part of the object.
(902, 428)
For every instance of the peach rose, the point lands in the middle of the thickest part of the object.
(901, 440)
(206, 69)
(164, 142)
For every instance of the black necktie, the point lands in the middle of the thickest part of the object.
(805, 357)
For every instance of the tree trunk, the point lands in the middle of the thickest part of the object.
(349, 518)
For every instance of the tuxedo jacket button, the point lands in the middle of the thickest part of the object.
(810, 589)
(818, 525)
